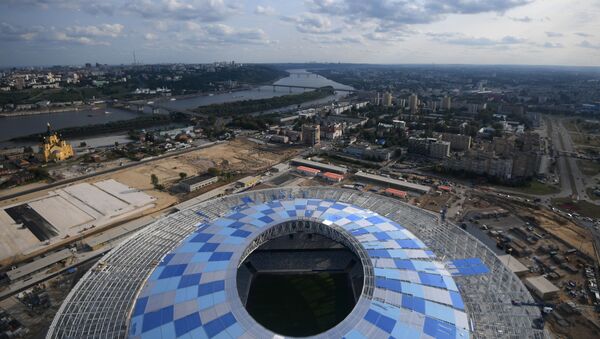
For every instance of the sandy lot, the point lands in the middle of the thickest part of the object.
(240, 156)
(574, 235)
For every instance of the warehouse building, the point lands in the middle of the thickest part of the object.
(308, 171)
(319, 165)
(513, 264)
(194, 183)
(392, 192)
(542, 287)
(394, 183)
(333, 177)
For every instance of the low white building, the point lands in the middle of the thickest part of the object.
(197, 182)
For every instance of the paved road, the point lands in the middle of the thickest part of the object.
(564, 170)
(578, 179)
(572, 181)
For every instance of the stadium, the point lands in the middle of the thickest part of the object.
(299, 262)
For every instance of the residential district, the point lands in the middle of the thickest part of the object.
(513, 164)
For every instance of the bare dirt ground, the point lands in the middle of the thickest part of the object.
(577, 237)
(239, 156)
(436, 202)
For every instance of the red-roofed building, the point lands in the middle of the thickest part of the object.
(333, 177)
(445, 188)
(396, 193)
(307, 170)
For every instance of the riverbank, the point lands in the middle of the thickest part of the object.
(261, 105)
(48, 111)
(113, 127)
(27, 125)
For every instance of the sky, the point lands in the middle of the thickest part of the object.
(68, 32)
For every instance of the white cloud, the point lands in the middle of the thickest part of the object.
(104, 30)
(521, 19)
(590, 45)
(391, 12)
(221, 34)
(206, 10)
(333, 40)
(460, 39)
(313, 24)
(553, 45)
(265, 10)
(150, 36)
(81, 35)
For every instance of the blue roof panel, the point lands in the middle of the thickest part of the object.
(403, 267)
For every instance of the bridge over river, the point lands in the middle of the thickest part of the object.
(161, 105)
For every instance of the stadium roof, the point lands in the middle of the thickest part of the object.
(193, 289)
(421, 284)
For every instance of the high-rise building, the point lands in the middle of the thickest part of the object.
(446, 103)
(432, 105)
(457, 142)
(413, 103)
(439, 149)
(19, 83)
(311, 134)
(387, 99)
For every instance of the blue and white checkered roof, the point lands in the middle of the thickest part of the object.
(190, 293)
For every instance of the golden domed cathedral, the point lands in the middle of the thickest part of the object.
(54, 148)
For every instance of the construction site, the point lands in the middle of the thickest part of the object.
(45, 251)
(554, 256)
(48, 236)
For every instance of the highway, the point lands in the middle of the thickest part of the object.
(571, 179)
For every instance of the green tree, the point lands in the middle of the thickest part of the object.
(214, 171)
(182, 175)
(154, 179)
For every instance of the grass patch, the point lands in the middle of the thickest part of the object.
(534, 188)
(584, 208)
(588, 167)
(300, 305)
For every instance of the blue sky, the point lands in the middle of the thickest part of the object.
(548, 32)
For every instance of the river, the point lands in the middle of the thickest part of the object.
(297, 77)
(25, 125)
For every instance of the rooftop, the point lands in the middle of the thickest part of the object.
(197, 179)
(102, 304)
(394, 182)
(319, 165)
(542, 284)
(513, 264)
(308, 169)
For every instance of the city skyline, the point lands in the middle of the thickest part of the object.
(48, 32)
